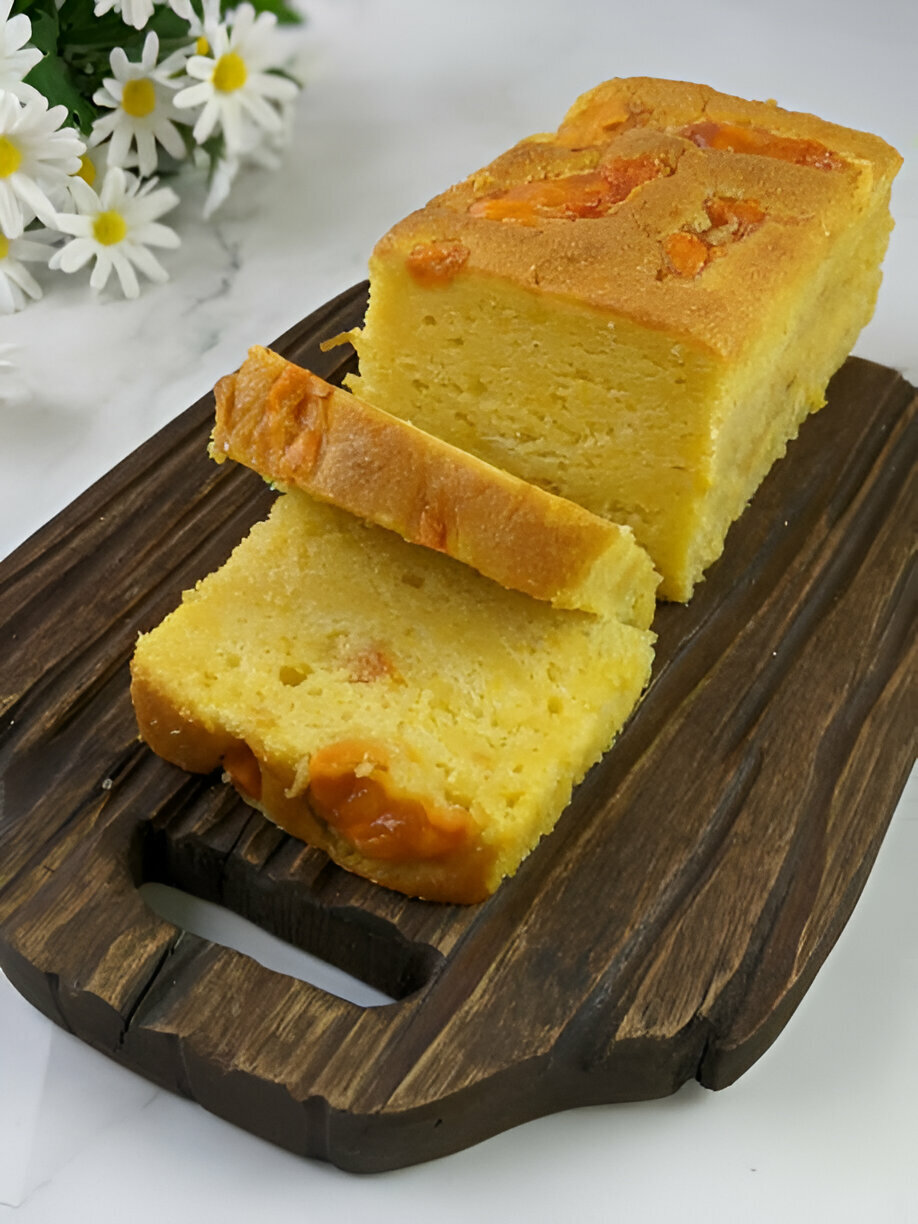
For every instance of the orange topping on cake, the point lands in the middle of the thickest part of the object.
(284, 431)
(736, 138)
(737, 217)
(436, 263)
(689, 251)
(241, 764)
(573, 196)
(294, 423)
(350, 789)
(686, 253)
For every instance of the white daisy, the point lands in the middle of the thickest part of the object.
(142, 109)
(15, 280)
(232, 89)
(116, 227)
(137, 13)
(16, 59)
(36, 157)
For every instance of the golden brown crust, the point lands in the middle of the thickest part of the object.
(296, 430)
(463, 877)
(615, 260)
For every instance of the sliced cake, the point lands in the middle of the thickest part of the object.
(298, 431)
(375, 696)
(417, 721)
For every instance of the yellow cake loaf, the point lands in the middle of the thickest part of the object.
(385, 702)
(298, 431)
(638, 310)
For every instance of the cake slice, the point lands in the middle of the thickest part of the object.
(298, 431)
(384, 702)
(416, 702)
(638, 310)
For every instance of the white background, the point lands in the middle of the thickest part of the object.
(403, 99)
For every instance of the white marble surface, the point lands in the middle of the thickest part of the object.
(404, 98)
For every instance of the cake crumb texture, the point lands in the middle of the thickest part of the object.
(384, 702)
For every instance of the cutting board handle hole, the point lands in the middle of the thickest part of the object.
(221, 926)
(287, 921)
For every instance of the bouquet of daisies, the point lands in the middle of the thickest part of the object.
(98, 98)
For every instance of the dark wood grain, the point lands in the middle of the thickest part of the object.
(666, 930)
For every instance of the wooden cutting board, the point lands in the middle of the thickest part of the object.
(666, 929)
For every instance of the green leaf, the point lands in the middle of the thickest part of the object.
(45, 28)
(81, 31)
(169, 26)
(76, 10)
(53, 78)
(35, 7)
(172, 30)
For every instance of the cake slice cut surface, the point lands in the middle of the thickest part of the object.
(388, 704)
(638, 310)
(296, 430)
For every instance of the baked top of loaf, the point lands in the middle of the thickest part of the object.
(383, 702)
(661, 201)
(298, 431)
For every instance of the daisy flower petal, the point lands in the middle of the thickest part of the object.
(146, 262)
(207, 121)
(221, 181)
(11, 222)
(16, 59)
(101, 271)
(157, 235)
(171, 140)
(120, 145)
(130, 286)
(263, 114)
(193, 96)
(74, 255)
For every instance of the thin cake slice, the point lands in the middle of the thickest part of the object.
(384, 702)
(298, 431)
(638, 310)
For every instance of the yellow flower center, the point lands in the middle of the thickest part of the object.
(138, 97)
(230, 72)
(10, 157)
(202, 46)
(109, 228)
(4, 246)
(87, 170)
